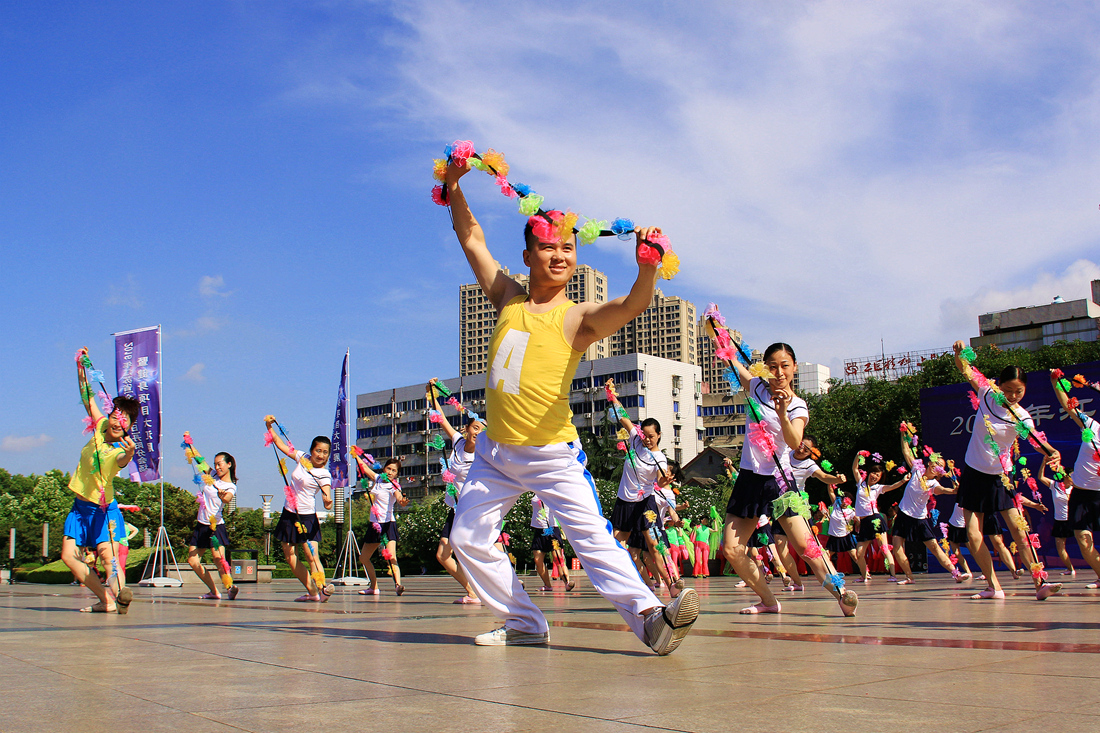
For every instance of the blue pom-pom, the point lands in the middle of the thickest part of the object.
(184, 446)
(731, 377)
(197, 479)
(935, 516)
(473, 415)
(95, 375)
(376, 467)
(745, 349)
(548, 532)
(623, 228)
(448, 150)
(837, 581)
(522, 189)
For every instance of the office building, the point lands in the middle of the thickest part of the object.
(394, 422)
(1041, 325)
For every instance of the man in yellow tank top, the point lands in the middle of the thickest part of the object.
(531, 444)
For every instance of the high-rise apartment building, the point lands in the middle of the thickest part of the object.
(666, 329)
(477, 318)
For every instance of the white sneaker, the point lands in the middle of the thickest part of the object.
(510, 637)
(666, 627)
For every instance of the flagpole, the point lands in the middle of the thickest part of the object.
(347, 560)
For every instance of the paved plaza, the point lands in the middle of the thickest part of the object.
(920, 658)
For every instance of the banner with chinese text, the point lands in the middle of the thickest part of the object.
(338, 457)
(137, 370)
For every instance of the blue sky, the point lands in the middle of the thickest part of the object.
(255, 177)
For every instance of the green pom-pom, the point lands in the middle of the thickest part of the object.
(861, 460)
(442, 389)
(754, 408)
(1023, 461)
(590, 232)
(86, 392)
(1022, 429)
(1087, 435)
(95, 462)
(826, 466)
(999, 398)
(85, 362)
(968, 354)
(1065, 385)
(529, 205)
(477, 163)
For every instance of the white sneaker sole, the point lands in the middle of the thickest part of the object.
(687, 611)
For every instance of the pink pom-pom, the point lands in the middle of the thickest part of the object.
(1033, 539)
(723, 337)
(461, 150)
(79, 355)
(269, 438)
(438, 197)
(369, 459)
(506, 188)
(376, 513)
(387, 555)
(89, 425)
(289, 445)
(661, 241)
(376, 527)
(543, 228)
(760, 438)
(453, 402)
(106, 401)
(648, 255)
(813, 549)
(187, 439)
(621, 446)
(846, 502)
(504, 538)
(291, 499)
(978, 378)
(865, 453)
(973, 399)
(862, 475)
(435, 416)
(728, 353)
(448, 477)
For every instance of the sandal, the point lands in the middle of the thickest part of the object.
(761, 608)
(399, 589)
(370, 592)
(306, 598)
(210, 597)
(100, 607)
(465, 600)
(326, 592)
(570, 585)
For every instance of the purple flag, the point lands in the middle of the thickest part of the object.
(137, 366)
(338, 457)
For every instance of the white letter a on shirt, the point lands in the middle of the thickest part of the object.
(508, 362)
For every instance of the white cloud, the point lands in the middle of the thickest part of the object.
(195, 373)
(831, 173)
(212, 286)
(23, 443)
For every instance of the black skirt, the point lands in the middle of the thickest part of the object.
(841, 544)
(1062, 529)
(752, 495)
(542, 540)
(957, 535)
(913, 530)
(1084, 510)
(449, 524)
(295, 529)
(983, 492)
(867, 530)
(386, 532)
(763, 536)
(991, 527)
(202, 537)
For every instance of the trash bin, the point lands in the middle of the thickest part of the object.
(244, 570)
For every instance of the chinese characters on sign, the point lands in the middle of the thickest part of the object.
(888, 366)
(137, 364)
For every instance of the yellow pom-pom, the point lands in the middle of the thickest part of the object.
(622, 434)
(495, 160)
(670, 265)
(758, 369)
(563, 228)
(1012, 548)
(306, 463)
(208, 479)
(439, 172)
(890, 465)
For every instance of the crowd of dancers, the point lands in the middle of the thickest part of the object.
(528, 444)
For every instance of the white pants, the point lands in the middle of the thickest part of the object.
(556, 473)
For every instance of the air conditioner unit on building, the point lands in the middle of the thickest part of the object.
(678, 416)
(588, 416)
(698, 396)
(675, 391)
(641, 384)
(676, 441)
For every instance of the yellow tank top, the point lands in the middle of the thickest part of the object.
(527, 390)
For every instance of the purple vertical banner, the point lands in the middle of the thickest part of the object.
(338, 456)
(137, 369)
